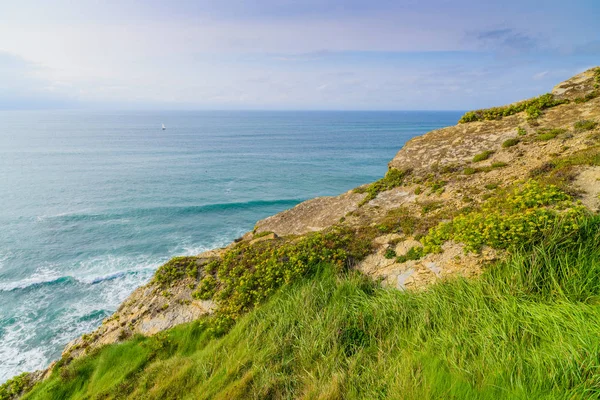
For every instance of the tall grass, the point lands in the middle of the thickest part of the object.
(529, 328)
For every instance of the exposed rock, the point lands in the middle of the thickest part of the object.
(452, 261)
(269, 236)
(575, 87)
(588, 181)
(148, 310)
(311, 215)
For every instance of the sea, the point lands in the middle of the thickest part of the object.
(92, 202)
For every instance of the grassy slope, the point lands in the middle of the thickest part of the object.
(528, 328)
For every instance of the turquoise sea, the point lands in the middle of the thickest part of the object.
(91, 203)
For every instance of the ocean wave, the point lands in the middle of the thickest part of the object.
(170, 210)
(33, 282)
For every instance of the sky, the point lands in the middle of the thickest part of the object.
(290, 54)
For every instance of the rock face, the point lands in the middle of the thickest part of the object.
(148, 310)
(445, 178)
(459, 144)
(311, 215)
(577, 86)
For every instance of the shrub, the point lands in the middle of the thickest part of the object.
(533, 112)
(437, 186)
(585, 125)
(176, 269)
(469, 171)
(543, 169)
(521, 131)
(511, 142)
(206, 288)
(13, 388)
(499, 164)
(250, 273)
(533, 107)
(548, 134)
(483, 156)
(389, 254)
(513, 218)
(414, 253)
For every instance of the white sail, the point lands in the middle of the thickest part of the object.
(163, 127)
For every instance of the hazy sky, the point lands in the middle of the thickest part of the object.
(290, 54)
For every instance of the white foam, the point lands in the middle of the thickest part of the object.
(41, 275)
(108, 280)
(15, 356)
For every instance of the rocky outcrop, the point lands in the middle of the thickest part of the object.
(312, 215)
(150, 309)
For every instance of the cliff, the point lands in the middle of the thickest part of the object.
(454, 201)
(451, 169)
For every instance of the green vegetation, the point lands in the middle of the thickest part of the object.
(248, 274)
(498, 164)
(15, 386)
(533, 107)
(593, 94)
(436, 186)
(521, 131)
(483, 156)
(176, 269)
(494, 165)
(511, 142)
(527, 328)
(548, 134)
(518, 216)
(429, 206)
(585, 125)
(207, 288)
(402, 220)
(261, 234)
(393, 178)
(389, 254)
(562, 171)
(414, 253)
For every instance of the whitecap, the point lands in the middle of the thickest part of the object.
(40, 276)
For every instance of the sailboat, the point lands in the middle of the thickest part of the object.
(164, 127)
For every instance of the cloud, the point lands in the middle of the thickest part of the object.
(22, 85)
(504, 40)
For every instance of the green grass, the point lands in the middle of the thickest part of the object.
(511, 142)
(548, 134)
(585, 125)
(483, 156)
(528, 328)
